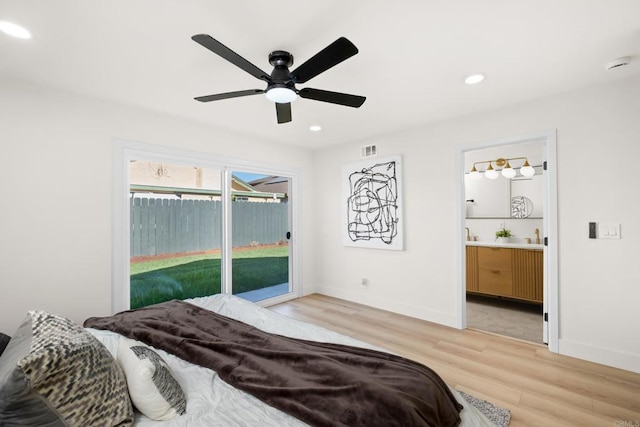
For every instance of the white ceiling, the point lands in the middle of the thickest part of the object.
(413, 56)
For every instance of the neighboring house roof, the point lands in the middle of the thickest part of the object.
(271, 184)
(239, 184)
(179, 180)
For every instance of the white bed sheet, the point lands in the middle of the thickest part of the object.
(212, 402)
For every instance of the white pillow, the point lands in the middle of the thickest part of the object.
(108, 339)
(153, 390)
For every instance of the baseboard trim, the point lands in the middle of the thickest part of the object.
(603, 356)
(439, 317)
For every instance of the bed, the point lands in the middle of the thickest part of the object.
(207, 399)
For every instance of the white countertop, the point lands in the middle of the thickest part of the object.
(531, 246)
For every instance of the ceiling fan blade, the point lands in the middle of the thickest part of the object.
(332, 97)
(283, 111)
(331, 55)
(219, 49)
(227, 95)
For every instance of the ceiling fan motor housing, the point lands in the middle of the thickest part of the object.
(281, 76)
(280, 58)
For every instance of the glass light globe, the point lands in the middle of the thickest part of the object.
(527, 171)
(281, 95)
(475, 175)
(491, 173)
(508, 171)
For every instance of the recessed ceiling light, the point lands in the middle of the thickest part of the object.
(14, 30)
(315, 128)
(473, 79)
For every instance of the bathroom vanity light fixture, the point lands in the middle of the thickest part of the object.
(507, 171)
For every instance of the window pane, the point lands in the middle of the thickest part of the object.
(175, 230)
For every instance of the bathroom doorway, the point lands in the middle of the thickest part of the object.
(509, 287)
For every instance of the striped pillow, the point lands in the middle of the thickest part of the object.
(153, 389)
(55, 373)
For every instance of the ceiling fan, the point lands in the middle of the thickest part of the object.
(281, 84)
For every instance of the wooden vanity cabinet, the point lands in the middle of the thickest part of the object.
(528, 267)
(494, 271)
(472, 268)
(506, 272)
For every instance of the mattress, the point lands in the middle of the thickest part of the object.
(212, 402)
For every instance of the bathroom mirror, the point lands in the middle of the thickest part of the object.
(519, 197)
(487, 198)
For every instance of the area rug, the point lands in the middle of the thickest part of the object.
(499, 416)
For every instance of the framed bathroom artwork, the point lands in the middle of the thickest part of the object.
(372, 203)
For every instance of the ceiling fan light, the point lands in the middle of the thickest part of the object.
(281, 95)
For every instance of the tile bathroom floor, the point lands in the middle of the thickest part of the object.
(505, 317)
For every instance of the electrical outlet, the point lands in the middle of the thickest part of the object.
(364, 282)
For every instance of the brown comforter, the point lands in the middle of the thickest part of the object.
(321, 384)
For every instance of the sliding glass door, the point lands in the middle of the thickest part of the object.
(196, 228)
(260, 264)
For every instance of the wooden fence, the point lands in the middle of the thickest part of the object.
(160, 226)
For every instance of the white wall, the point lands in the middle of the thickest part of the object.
(598, 134)
(56, 186)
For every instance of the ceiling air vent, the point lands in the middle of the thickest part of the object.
(618, 62)
(368, 151)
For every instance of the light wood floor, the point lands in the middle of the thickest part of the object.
(540, 388)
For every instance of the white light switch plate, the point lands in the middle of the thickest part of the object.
(608, 230)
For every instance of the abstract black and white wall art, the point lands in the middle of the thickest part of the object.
(372, 203)
(521, 207)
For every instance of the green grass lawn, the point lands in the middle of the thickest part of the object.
(199, 275)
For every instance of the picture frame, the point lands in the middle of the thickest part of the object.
(372, 203)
